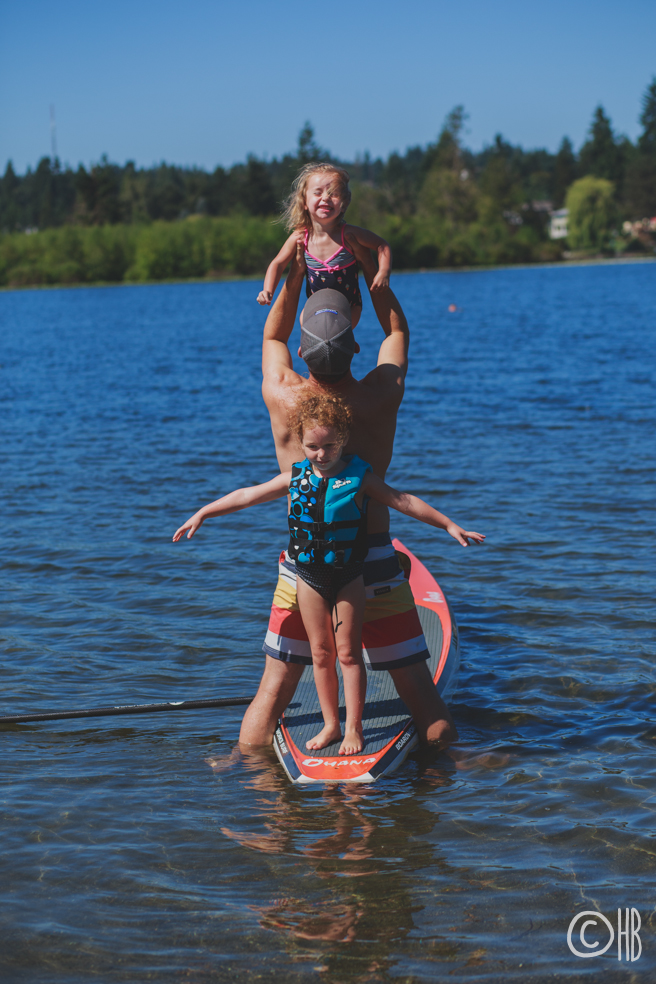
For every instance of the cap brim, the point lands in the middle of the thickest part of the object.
(327, 299)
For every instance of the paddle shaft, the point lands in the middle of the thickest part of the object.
(181, 705)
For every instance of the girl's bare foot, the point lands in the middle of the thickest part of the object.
(326, 736)
(353, 742)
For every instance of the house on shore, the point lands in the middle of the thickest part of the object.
(558, 223)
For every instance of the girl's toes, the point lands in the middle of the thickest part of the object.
(351, 745)
(325, 737)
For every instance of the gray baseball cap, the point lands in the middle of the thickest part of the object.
(327, 340)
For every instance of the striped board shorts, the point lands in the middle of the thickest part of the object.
(391, 634)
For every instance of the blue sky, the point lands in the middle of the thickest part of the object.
(208, 82)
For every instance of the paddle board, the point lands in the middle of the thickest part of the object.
(389, 732)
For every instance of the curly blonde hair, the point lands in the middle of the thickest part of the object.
(295, 214)
(323, 411)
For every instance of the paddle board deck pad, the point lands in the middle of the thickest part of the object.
(389, 732)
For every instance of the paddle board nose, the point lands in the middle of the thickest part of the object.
(389, 732)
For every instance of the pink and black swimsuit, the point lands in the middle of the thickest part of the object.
(339, 272)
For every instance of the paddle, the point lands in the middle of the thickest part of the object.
(170, 705)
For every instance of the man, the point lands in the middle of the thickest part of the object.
(327, 345)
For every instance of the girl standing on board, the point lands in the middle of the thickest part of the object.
(315, 212)
(327, 520)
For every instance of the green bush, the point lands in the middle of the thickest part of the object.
(67, 255)
(167, 251)
(591, 213)
(197, 247)
(453, 231)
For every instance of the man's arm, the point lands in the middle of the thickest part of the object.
(369, 240)
(276, 357)
(394, 349)
(280, 384)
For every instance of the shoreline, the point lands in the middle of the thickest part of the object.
(561, 264)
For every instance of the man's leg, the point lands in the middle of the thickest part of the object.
(392, 633)
(276, 690)
(416, 689)
(287, 651)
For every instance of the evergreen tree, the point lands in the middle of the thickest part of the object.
(132, 195)
(166, 193)
(308, 149)
(536, 172)
(447, 192)
(43, 197)
(401, 179)
(447, 152)
(217, 195)
(641, 177)
(99, 193)
(258, 190)
(564, 172)
(500, 180)
(647, 140)
(602, 155)
(9, 205)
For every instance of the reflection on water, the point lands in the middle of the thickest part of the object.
(153, 850)
(290, 830)
(369, 847)
(368, 898)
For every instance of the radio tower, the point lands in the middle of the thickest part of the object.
(53, 133)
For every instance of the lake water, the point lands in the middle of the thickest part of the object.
(529, 415)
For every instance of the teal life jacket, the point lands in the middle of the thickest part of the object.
(326, 526)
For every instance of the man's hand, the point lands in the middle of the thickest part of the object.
(264, 297)
(364, 258)
(300, 252)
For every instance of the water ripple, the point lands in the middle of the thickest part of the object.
(529, 413)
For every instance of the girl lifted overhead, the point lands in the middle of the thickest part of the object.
(315, 213)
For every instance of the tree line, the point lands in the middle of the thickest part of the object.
(438, 205)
